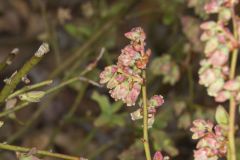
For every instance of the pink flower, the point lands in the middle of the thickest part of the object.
(156, 101)
(232, 85)
(128, 56)
(120, 91)
(133, 95)
(200, 127)
(203, 154)
(158, 156)
(136, 34)
(212, 143)
(212, 6)
(222, 96)
(208, 25)
(107, 74)
(218, 58)
(207, 77)
(215, 87)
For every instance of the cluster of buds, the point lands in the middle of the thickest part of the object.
(212, 142)
(124, 80)
(155, 102)
(214, 71)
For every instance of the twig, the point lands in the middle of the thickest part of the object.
(8, 60)
(9, 87)
(14, 109)
(38, 152)
(28, 88)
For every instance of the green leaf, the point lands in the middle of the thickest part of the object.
(32, 96)
(102, 120)
(162, 141)
(116, 106)
(71, 29)
(103, 102)
(221, 115)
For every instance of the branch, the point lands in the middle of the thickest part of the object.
(8, 60)
(38, 152)
(15, 79)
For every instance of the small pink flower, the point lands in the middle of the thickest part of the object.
(158, 156)
(232, 85)
(218, 58)
(136, 34)
(156, 101)
(203, 154)
(107, 74)
(207, 77)
(200, 127)
(215, 87)
(222, 96)
(208, 25)
(133, 94)
(212, 6)
(120, 91)
(208, 141)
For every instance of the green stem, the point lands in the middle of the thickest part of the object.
(145, 119)
(14, 109)
(10, 86)
(30, 87)
(232, 104)
(39, 111)
(8, 60)
(39, 152)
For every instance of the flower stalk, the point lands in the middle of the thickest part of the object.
(145, 118)
(232, 103)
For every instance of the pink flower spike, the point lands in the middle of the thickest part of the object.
(158, 156)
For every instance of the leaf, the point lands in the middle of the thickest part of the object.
(161, 141)
(221, 115)
(102, 120)
(116, 106)
(32, 96)
(103, 102)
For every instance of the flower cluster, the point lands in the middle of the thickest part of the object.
(124, 79)
(154, 102)
(220, 42)
(212, 142)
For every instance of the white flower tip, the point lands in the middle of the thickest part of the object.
(43, 49)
